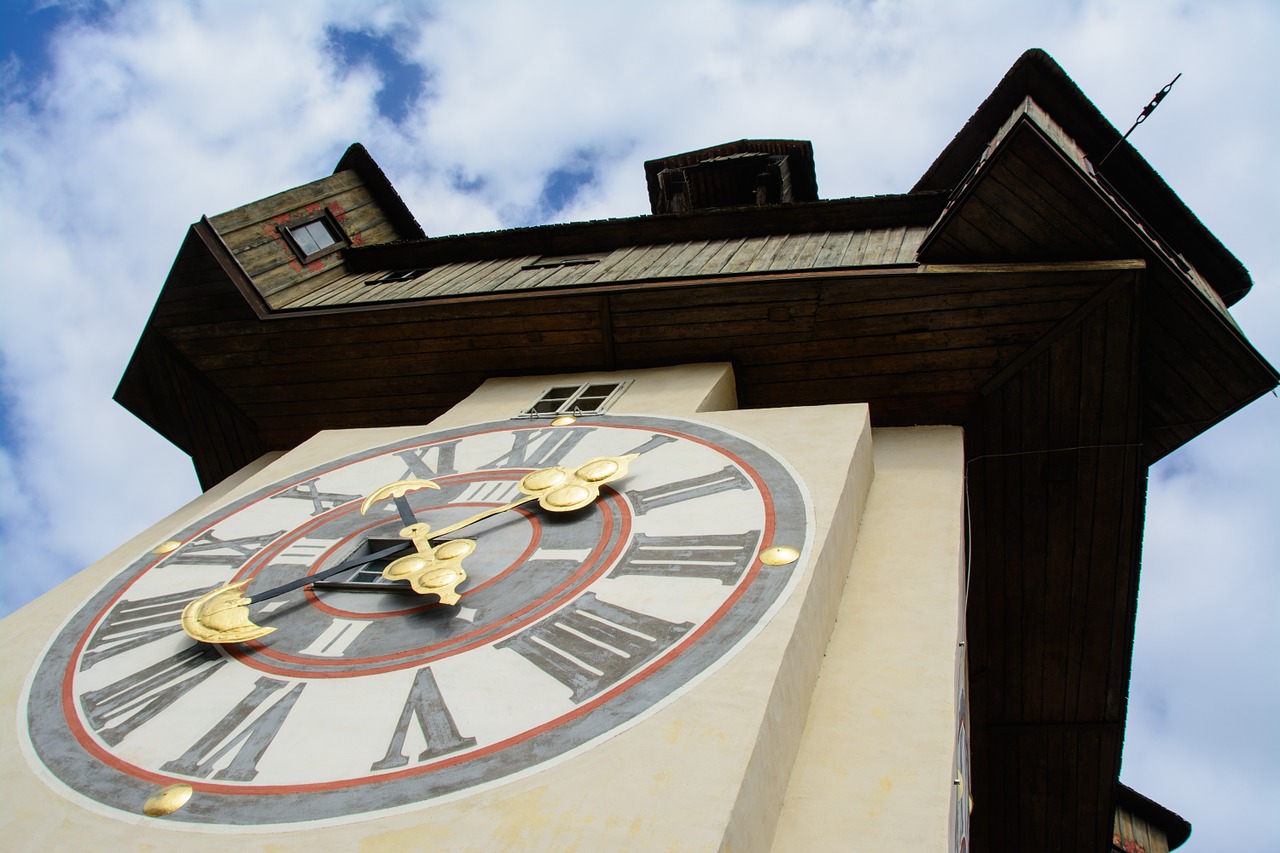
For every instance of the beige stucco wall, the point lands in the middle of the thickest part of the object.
(683, 390)
(710, 770)
(874, 770)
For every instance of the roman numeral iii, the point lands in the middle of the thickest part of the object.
(592, 644)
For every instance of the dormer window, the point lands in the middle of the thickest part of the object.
(314, 236)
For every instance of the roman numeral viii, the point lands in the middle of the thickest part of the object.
(135, 623)
(592, 644)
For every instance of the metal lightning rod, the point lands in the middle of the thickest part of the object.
(1146, 111)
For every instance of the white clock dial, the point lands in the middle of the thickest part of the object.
(366, 697)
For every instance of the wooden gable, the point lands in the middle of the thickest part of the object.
(355, 202)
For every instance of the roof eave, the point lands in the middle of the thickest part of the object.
(917, 208)
(1038, 75)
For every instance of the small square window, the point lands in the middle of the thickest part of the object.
(314, 236)
(589, 399)
(549, 262)
(392, 276)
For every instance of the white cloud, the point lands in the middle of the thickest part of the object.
(158, 112)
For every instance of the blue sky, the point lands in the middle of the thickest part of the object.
(401, 82)
(123, 122)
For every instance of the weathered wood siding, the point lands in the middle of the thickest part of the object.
(695, 259)
(252, 235)
(1132, 834)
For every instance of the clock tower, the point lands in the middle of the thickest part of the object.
(758, 522)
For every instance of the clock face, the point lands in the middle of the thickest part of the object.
(368, 697)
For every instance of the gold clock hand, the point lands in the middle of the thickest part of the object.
(397, 491)
(438, 569)
(222, 616)
(434, 569)
(556, 489)
(467, 522)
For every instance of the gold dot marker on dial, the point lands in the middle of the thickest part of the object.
(167, 547)
(564, 420)
(779, 555)
(167, 800)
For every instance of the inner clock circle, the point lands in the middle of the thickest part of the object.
(502, 544)
(526, 563)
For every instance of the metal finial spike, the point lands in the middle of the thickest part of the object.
(1146, 111)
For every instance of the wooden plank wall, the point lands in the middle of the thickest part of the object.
(388, 367)
(1131, 830)
(161, 386)
(1199, 368)
(918, 347)
(180, 403)
(1057, 490)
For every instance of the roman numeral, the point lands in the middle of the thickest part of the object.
(320, 501)
(135, 623)
(426, 706)
(723, 557)
(302, 552)
(117, 709)
(334, 639)
(249, 743)
(726, 479)
(540, 448)
(654, 442)
(209, 550)
(417, 466)
(591, 644)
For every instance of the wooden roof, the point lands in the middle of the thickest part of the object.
(821, 250)
(1037, 76)
(1028, 300)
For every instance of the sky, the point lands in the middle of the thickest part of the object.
(123, 122)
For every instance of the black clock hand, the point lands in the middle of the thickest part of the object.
(406, 513)
(351, 563)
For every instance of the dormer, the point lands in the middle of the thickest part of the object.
(294, 242)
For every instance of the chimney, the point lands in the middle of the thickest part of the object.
(749, 172)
